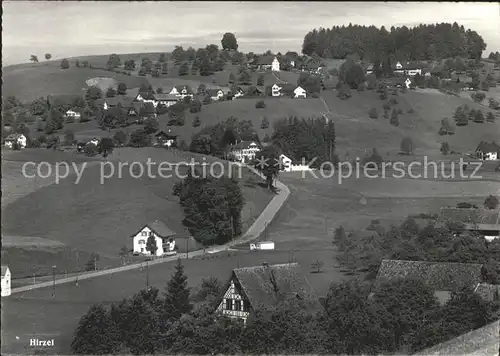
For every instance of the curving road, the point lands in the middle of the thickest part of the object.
(252, 233)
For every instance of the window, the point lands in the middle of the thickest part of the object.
(142, 249)
(237, 305)
(144, 233)
(246, 306)
(229, 304)
(142, 242)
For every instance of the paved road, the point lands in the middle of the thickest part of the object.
(252, 233)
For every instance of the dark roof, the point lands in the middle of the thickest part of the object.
(159, 228)
(489, 292)
(482, 341)
(165, 97)
(441, 276)
(266, 60)
(267, 286)
(146, 95)
(166, 135)
(181, 87)
(213, 92)
(13, 137)
(287, 88)
(244, 144)
(482, 219)
(488, 147)
(62, 99)
(4, 270)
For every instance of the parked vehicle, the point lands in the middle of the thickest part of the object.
(264, 245)
(170, 253)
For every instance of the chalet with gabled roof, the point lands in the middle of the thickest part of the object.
(258, 288)
(164, 237)
(484, 221)
(245, 151)
(181, 91)
(489, 151)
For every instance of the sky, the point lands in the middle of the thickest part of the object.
(70, 28)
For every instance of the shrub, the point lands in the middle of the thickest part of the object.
(445, 148)
(406, 146)
(260, 104)
(373, 114)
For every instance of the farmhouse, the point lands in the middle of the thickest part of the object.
(146, 97)
(13, 139)
(181, 91)
(239, 92)
(484, 221)
(285, 163)
(244, 151)
(164, 237)
(276, 90)
(73, 115)
(488, 151)
(165, 139)
(299, 92)
(256, 288)
(269, 62)
(443, 277)
(5, 281)
(165, 100)
(215, 94)
(409, 68)
(109, 103)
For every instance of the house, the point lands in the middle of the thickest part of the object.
(488, 151)
(164, 237)
(408, 83)
(94, 141)
(134, 108)
(215, 94)
(18, 139)
(165, 100)
(146, 97)
(287, 89)
(443, 277)
(6, 281)
(108, 103)
(369, 69)
(299, 92)
(269, 62)
(482, 341)
(238, 93)
(182, 91)
(245, 151)
(73, 115)
(484, 221)
(285, 163)
(256, 288)
(166, 139)
(276, 90)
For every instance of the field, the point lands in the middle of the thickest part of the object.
(302, 232)
(95, 216)
(31, 81)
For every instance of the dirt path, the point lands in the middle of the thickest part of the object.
(257, 228)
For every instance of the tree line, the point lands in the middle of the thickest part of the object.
(423, 42)
(358, 317)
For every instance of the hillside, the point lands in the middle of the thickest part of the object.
(31, 81)
(100, 217)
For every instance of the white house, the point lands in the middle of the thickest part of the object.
(146, 97)
(299, 92)
(165, 99)
(5, 281)
(20, 139)
(94, 141)
(398, 68)
(488, 151)
(181, 91)
(286, 163)
(275, 66)
(75, 115)
(252, 288)
(276, 90)
(245, 151)
(239, 93)
(215, 94)
(164, 237)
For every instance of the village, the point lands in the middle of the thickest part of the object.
(276, 260)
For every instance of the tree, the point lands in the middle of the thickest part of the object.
(122, 89)
(69, 137)
(445, 148)
(105, 146)
(177, 300)
(64, 64)
(96, 333)
(159, 90)
(446, 127)
(260, 80)
(140, 138)
(201, 89)
(311, 83)
(34, 58)
(491, 202)
(245, 78)
(48, 56)
(196, 121)
(407, 146)
(151, 125)
(110, 93)
(151, 244)
(394, 121)
(478, 97)
(260, 104)
(351, 73)
(479, 117)
(268, 163)
(317, 265)
(265, 123)
(232, 78)
(373, 114)
(183, 69)
(490, 117)
(39, 107)
(120, 138)
(113, 61)
(229, 42)
(93, 93)
(129, 64)
(493, 104)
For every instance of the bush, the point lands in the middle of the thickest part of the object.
(260, 104)
(373, 114)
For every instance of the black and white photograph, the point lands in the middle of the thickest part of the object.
(250, 178)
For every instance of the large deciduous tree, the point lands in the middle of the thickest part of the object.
(229, 42)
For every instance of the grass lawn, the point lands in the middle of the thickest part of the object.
(94, 217)
(29, 81)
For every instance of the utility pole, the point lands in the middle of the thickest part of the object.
(147, 275)
(53, 281)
